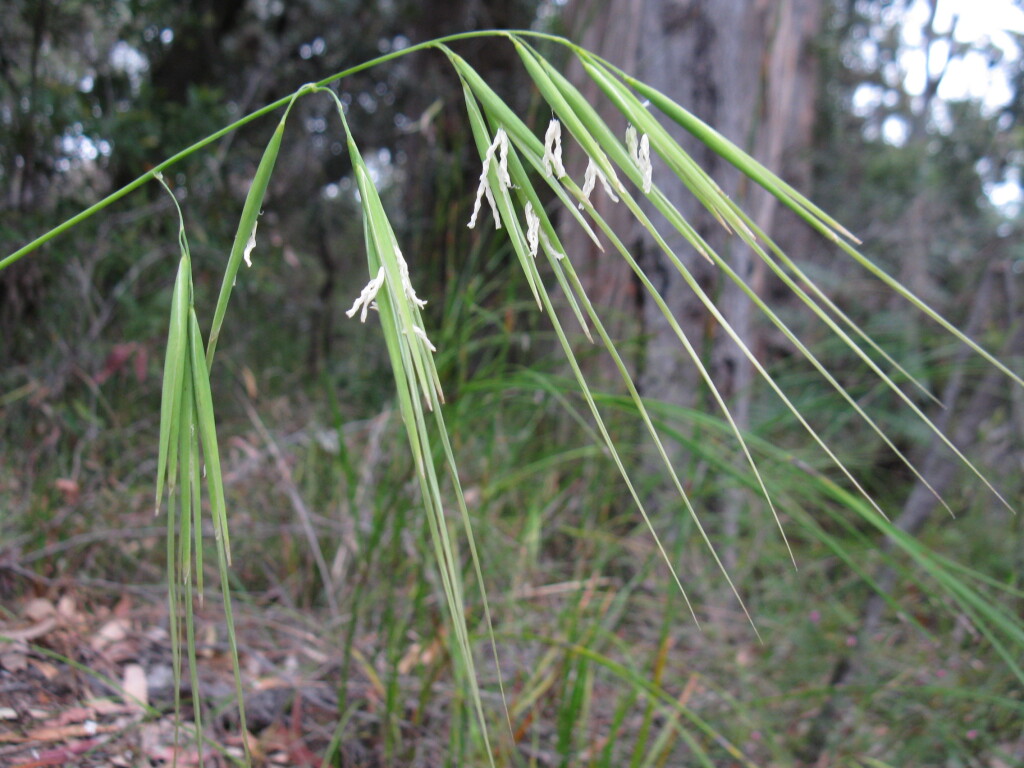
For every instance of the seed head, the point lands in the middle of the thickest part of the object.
(423, 335)
(410, 293)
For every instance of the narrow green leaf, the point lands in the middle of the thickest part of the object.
(190, 518)
(195, 480)
(245, 236)
(814, 216)
(172, 615)
(170, 402)
(751, 234)
(184, 450)
(208, 436)
(170, 399)
(207, 429)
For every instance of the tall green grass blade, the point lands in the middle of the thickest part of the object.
(816, 218)
(467, 528)
(245, 235)
(172, 615)
(665, 700)
(669, 150)
(191, 526)
(606, 438)
(885, 378)
(580, 119)
(418, 385)
(207, 428)
(195, 482)
(630, 106)
(751, 233)
(516, 130)
(580, 106)
(170, 401)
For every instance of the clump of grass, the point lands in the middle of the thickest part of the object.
(579, 654)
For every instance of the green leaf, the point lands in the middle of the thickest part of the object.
(245, 236)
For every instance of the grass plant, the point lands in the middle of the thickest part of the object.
(499, 501)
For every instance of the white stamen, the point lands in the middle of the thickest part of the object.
(250, 244)
(553, 150)
(532, 230)
(547, 244)
(410, 293)
(641, 154)
(631, 140)
(366, 298)
(499, 145)
(423, 335)
(644, 162)
(502, 138)
(590, 177)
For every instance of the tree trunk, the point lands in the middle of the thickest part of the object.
(746, 67)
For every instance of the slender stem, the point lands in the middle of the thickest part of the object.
(153, 172)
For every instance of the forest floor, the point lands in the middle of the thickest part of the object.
(87, 683)
(601, 662)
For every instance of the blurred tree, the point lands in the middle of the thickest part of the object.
(749, 69)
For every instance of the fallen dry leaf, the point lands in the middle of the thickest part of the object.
(67, 609)
(13, 657)
(68, 488)
(37, 630)
(61, 755)
(136, 689)
(38, 609)
(113, 631)
(45, 668)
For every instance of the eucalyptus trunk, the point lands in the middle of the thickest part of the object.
(748, 68)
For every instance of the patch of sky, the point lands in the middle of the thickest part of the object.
(980, 71)
(315, 47)
(129, 60)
